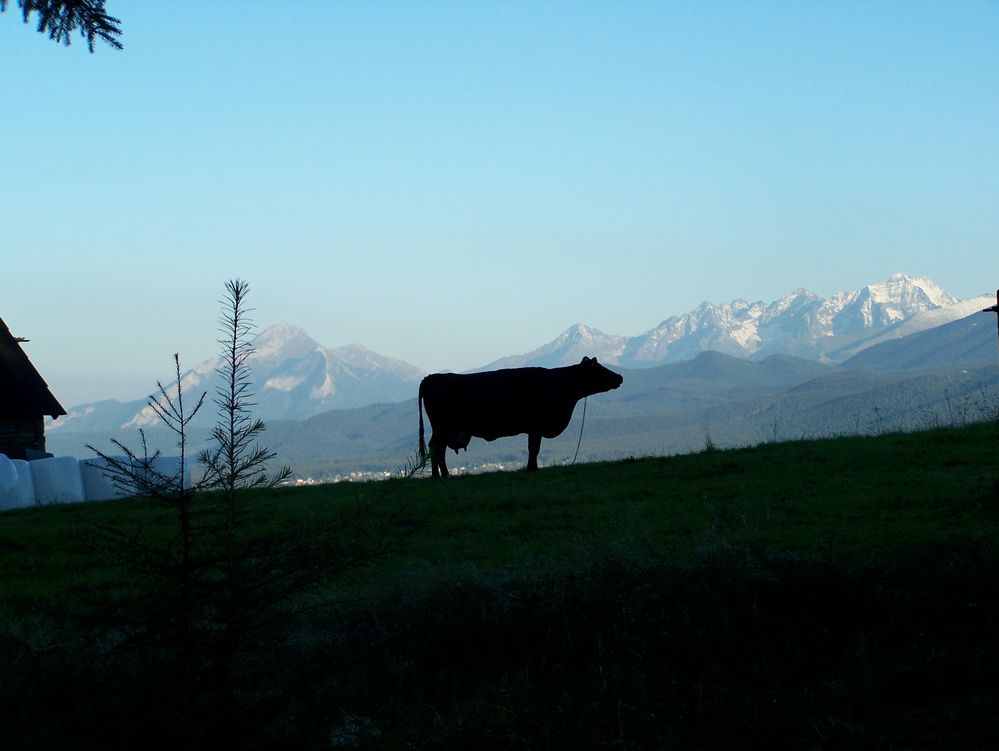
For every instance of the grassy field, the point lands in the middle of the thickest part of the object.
(819, 594)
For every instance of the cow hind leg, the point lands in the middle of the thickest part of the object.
(533, 449)
(438, 465)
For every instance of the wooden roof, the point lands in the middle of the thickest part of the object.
(23, 392)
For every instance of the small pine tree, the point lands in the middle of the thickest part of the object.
(236, 461)
(218, 589)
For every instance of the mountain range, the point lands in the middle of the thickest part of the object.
(293, 377)
(800, 323)
(903, 323)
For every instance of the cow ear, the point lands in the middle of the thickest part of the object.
(585, 361)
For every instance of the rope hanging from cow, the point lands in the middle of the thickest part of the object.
(582, 423)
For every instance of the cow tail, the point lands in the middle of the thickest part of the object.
(423, 443)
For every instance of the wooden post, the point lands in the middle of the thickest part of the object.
(994, 309)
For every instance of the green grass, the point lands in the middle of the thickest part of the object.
(851, 582)
(849, 499)
(853, 500)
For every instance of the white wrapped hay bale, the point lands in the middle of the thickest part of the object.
(8, 480)
(23, 493)
(57, 480)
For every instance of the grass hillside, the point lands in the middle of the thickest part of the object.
(840, 593)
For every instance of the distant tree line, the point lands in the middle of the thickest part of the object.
(60, 18)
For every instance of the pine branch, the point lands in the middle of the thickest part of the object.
(60, 18)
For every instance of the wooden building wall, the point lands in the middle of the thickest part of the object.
(22, 434)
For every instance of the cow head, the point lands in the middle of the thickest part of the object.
(595, 378)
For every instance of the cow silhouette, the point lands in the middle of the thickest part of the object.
(497, 403)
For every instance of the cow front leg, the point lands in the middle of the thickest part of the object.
(533, 448)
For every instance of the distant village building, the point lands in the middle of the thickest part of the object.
(25, 400)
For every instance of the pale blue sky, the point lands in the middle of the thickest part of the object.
(452, 182)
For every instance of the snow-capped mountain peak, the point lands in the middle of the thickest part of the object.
(883, 304)
(281, 341)
(914, 291)
(568, 348)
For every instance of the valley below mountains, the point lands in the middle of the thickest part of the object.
(899, 355)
